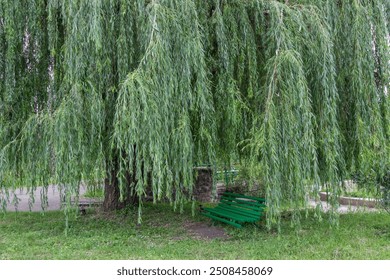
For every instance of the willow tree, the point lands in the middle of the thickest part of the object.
(140, 92)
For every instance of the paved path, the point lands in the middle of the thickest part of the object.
(54, 201)
(53, 198)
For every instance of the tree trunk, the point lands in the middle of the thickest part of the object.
(111, 195)
(112, 192)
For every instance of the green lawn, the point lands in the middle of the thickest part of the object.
(163, 235)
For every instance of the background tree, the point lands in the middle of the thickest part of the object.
(139, 92)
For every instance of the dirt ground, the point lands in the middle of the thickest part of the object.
(205, 231)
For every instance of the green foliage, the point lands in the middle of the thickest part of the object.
(150, 89)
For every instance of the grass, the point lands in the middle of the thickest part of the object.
(163, 235)
(94, 193)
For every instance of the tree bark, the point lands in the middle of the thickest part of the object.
(112, 192)
(111, 195)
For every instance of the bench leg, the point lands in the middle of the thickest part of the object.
(82, 210)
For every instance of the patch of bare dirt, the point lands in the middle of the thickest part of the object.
(205, 231)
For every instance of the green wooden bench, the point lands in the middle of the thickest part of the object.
(236, 209)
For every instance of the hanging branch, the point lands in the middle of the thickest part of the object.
(139, 92)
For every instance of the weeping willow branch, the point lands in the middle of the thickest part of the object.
(160, 101)
(149, 89)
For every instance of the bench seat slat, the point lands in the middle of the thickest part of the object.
(236, 209)
(234, 203)
(227, 214)
(222, 220)
(241, 212)
(231, 214)
(242, 207)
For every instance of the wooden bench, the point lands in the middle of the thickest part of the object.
(236, 209)
(90, 203)
(84, 204)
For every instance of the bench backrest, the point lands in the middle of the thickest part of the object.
(246, 205)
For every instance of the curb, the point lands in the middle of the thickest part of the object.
(354, 201)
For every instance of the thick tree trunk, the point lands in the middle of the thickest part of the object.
(203, 189)
(111, 195)
(112, 192)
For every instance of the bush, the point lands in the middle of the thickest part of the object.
(379, 184)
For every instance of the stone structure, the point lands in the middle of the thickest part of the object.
(203, 189)
(204, 184)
